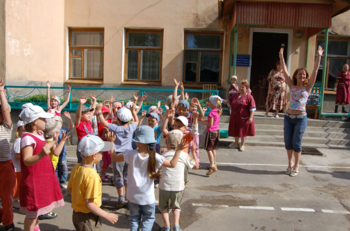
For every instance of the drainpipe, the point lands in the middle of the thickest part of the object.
(235, 49)
(230, 58)
(307, 52)
(324, 71)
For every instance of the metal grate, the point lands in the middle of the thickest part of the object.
(310, 151)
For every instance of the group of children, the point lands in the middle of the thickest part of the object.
(112, 132)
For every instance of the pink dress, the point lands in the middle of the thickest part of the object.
(343, 88)
(240, 111)
(40, 192)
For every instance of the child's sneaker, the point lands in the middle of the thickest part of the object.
(122, 201)
(15, 203)
(211, 171)
(177, 228)
(166, 228)
(10, 227)
(104, 177)
(63, 186)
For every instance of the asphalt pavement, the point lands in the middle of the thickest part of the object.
(249, 192)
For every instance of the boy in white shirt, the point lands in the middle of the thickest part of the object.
(171, 183)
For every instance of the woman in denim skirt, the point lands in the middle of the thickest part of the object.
(295, 120)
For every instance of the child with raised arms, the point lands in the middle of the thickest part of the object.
(53, 103)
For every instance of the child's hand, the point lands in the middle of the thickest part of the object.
(205, 109)
(166, 107)
(187, 96)
(65, 136)
(99, 107)
(55, 136)
(172, 106)
(143, 98)
(48, 84)
(111, 217)
(182, 86)
(93, 99)
(171, 113)
(195, 115)
(133, 108)
(195, 100)
(111, 137)
(136, 97)
(158, 104)
(143, 113)
(181, 145)
(111, 99)
(160, 111)
(68, 89)
(176, 83)
(67, 114)
(83, 100)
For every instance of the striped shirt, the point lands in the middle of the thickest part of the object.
(5, 136)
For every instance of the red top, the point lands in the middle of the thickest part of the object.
(39, 185)
(344, 77)
(100, 130)
(84, 129)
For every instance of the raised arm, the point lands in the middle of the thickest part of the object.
(5, 108)
(93, 103)
(67, 100)
(78, 113)
(48, 95)
(71, 124)
(173, 162)
(313, 75)
(177, 84)
(289, 81)
(168, 114)
(58, 149)
(143, 115)
(134, 113)
(140, 104)
(100, 115)
(115, 157)
(182, 97)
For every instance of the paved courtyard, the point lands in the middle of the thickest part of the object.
(249, 192)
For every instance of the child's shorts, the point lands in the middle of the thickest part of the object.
(169, 200)
(211, 140)
(86, 221)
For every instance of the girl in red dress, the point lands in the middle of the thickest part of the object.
(343, 89)
(40, 191)
(242, 115)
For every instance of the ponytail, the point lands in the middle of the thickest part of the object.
(219, 106)
(151, 167)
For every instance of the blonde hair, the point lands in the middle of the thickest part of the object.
(151, 167)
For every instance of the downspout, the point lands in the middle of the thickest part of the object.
(230, 58)
(324, 71)
(235, 49)
(307, 52)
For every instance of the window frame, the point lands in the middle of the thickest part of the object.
(139, 48)
(322, 38)
(220, 51)
(71, 48)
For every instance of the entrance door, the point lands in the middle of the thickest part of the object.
(265, 51)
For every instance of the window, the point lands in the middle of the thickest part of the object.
(86, 54)
(203, 57)
(143, 55)
(338, 55)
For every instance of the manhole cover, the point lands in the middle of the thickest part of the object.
(310, 151)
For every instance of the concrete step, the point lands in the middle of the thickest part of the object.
(224, 126)
(279, 121)
(258, 139)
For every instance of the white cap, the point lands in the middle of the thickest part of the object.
(124, 114)
(30, 114)
(183, 120)
(128, 105)
(92, 144)
(20, 123)
(215, 100)
(27, 105)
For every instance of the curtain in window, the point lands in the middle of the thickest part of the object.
(93, 63)
(150, 63)
(209, 67)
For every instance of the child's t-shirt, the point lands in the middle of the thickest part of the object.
(84, 129)
(140, 186)
(16, 149)
(173, 178)
(124, 136)
(55, 112)
(54, 158)
(216, 120)
(157, 133)
(85, 184)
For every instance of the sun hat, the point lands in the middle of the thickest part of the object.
(169, 99)
(20, 123)
(129, 105)
(215, 100)
(27, 105)
(145, 135)
(183, 120)
(152, 109)
(117, 105)
(53, 125)
(154, 115)
(56, 98)
(184, 103)
(92, 144)
(30, 114)
(86, 109)
(174, 137)
(105, 109)
(124, 115)
(234, 77)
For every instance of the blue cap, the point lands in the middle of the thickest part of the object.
(184, 103)
(144, 135)
(154, 115)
